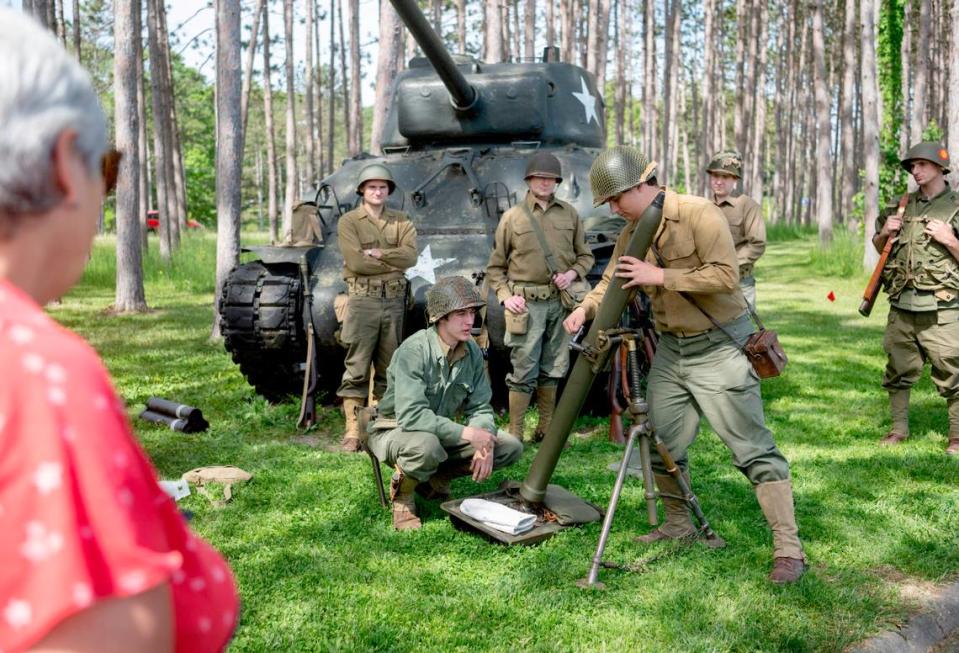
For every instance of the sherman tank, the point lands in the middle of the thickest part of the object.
(457, 138)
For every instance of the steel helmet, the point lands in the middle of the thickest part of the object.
(727, 162)
(544, 164)
(927, 151)
(451, 294)
(375, 171)
(616, 170)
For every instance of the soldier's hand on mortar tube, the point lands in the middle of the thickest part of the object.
(942, 233)
(891, 226)
(515, 304)
(574, 321)
(562, 280)
(482, 441)
(482, 465)
(638, 273)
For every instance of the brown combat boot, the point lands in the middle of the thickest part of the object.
(892, 438)
(678, 524)
(899, 407)
(518, 403)
(404, 503)
(952, 448)
(438, 487)
(351, 437)
(545, 404)
(776, 500)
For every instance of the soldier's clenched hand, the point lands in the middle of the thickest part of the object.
(480, 439)
(942, 233)
(891, 226)
(574, 321)
(638, 273)
(515, 304)
(564, 279)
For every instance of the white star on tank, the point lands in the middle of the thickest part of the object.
(426, 265)
(589, 102)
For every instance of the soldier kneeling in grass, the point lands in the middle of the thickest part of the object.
(435, 376)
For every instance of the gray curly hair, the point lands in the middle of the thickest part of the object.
(43, 91)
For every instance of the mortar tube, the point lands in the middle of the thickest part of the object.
(582, 376)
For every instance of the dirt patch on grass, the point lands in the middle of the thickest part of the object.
(316, 441)
(913, 591)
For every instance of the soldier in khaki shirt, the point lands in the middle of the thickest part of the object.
(529, 287)
(743, 215)
(377, 245)
(698, 370)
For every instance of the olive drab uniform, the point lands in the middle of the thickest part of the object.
(698, 370)
(749, 238)
(922, 279)
(373, 324)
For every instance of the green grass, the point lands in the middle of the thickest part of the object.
(320, 568)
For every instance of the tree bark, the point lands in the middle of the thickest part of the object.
(318, 83)
(178, 195)
(671, 76)
(706, 144)
(758, 106)
(331, 71)
(920, 105)
(905, 54)
(161, 135)
(61, 25)
(952, 121)
(868, 17)
(386, 66)
(356, 108)
(550, 23)
(290, 195)
(77, 48)
(461, 25)
(229, 153)
(143, 152)
(848, 173)
(823, 155)
(248, 67)
(649, 80)
(347, 114)
(493, 32)
(742, 22)
(619, 93)
(272, 175)
(566, 20)
(308, 97)
(529, 30)
(130, 295)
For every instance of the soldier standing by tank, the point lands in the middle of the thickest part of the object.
(743, 215)
(528, 281)
(378, 244)
(922, 279)
(436, 375)
(698, 370)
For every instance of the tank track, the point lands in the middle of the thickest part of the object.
(261, 311)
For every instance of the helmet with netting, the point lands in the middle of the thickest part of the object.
(616, 170)
(727, 162)
(375, 171)
(451, 294)
(927, 151)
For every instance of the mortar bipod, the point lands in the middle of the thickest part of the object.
(643, 429)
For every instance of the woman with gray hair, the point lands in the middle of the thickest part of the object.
(95, 556)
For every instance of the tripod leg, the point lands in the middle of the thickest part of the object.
(307, 416)
(591, 579)
(712, 539)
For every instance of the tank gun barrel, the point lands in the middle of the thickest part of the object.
(462, 93)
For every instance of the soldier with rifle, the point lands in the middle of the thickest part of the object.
(538, 264)
(921, 276)
(743, 215)
(378, 244)
(435, 422)
(698, 369)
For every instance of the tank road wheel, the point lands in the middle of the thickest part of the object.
(261, 311)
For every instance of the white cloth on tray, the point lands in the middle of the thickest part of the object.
(498, 516)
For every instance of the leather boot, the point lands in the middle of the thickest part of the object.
(678, 524)
(438, 487)
(404, 503)
(545, 404)
(776, 500)
(351, 437)
(518, 403)
(899, 406)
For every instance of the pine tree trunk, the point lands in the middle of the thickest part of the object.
(823, 155)
(848, 173)
(229, 153)
(346, 86)
(871, 121)
(566, 20)
(130, 295)
(331, 71)
(318, 84)
(178, 195)
(461, 25)
(386, 66)
(706, 144)
(952, 116)
(757, 122)
(248, 67)
(493, 32)
(920, 107)
(308, 98)
(271, 172)
(529, 30)
(649, 81)
(143, 152)
(356, 108)
(619, 93)
(550, 23)
(161, 139)
(77, 48)
(742, 21)
(290, 173)
(906, 83)
(61, 25)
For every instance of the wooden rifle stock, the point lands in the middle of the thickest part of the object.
(871, 292)
(615, 408)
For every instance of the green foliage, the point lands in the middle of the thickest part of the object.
(842, 259)
(780, 231)
(320, 568)
(889, 36)
(196, 117)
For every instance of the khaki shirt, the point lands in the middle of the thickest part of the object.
(393, 233)
(747, 227)
(697, 250)
(517, 255)
(433, 388)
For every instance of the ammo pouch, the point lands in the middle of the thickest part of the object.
(574, 294)
(516, 323)
(765, 353)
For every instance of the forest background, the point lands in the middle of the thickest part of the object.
(820, 98)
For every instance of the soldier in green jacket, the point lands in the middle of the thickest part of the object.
(698, 369)
(743, 215)
(528, 281)
(378, 244)
(435, 422)
(922, 279)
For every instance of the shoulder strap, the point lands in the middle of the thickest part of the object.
(541, 237)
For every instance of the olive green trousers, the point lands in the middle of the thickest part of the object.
(708, 375)
(911, 339)
(372, 330)
(541, 355)
(748, 286)
(420, 454)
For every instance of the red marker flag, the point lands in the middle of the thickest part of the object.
(831, 296)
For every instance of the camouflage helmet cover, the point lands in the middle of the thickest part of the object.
(376, 171)
(616, 170)
(927, 151)
(544, 164)
(727, 162)
(451, 294)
